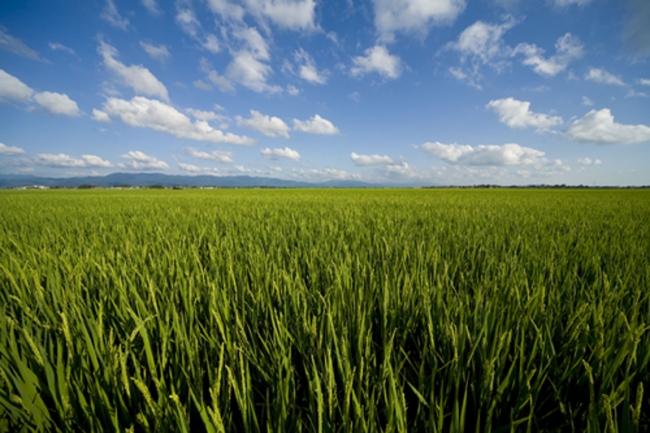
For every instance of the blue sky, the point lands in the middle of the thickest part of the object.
(393, 91)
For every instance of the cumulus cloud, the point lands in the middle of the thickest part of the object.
(586, 101)
(517, 114)
(287, 14)
(280, 153)
(63, 160)
(589, 161)
(507, 154)
(156, 52)
(187, 21)
(270, 126)
(413, 16)
(204, 115)
(315, 125)
(101, 116)
(111, 15)
(141, 161)
(568, 48)
(363, 160)
(599, 127)
(57, 103)
(10, 150)
(139, 78)
(12, 88)
(14, 45)
(141, 112)
(644, 81)
(603, 77)
(478, 45)
(60, 47)
(481, 44)
(215, 155)
(250, 72)
(307, 68)
(379, 60)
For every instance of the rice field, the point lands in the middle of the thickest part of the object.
(325, 311)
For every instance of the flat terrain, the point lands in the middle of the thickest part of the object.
(325, 310)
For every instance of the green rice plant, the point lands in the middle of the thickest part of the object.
(325, 310)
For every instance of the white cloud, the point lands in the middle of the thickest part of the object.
(586, 101)
(482, 42)
(567, 47)
(315, 125)
(160, 52)
(16, 46)
(280, 153)
(186, 19)
(371, 159)
(377, 59)
(101, 116)
(644, 81)
(211, 43)
(248, 71)
(267, 125)
(63, 160)
(113, 17)
(226, 9)
(12, 88)
(10, 150)
(135, 76)
(589, 161)
(599, 127)
(57, 103)
(60, 47)
(413, 16)
(307, 68)
(151, 6)
(403, 170)
(288, 14)
(603, 77)
(195, 170)
(220, 81)
(292, 90)
(141, 161)
(204, 115)
(517, 114)
(215, 155)
(507, 154)
(149, 113)
(253, 42)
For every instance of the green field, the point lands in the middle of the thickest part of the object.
(325, 310)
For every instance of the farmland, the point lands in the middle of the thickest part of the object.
(325, 310)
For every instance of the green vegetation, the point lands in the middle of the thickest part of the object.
(325, 310)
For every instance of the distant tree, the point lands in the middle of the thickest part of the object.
(86, 186)
(156, 186)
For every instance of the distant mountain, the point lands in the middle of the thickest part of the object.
(148, 179)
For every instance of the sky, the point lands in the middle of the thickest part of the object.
(417, 92)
